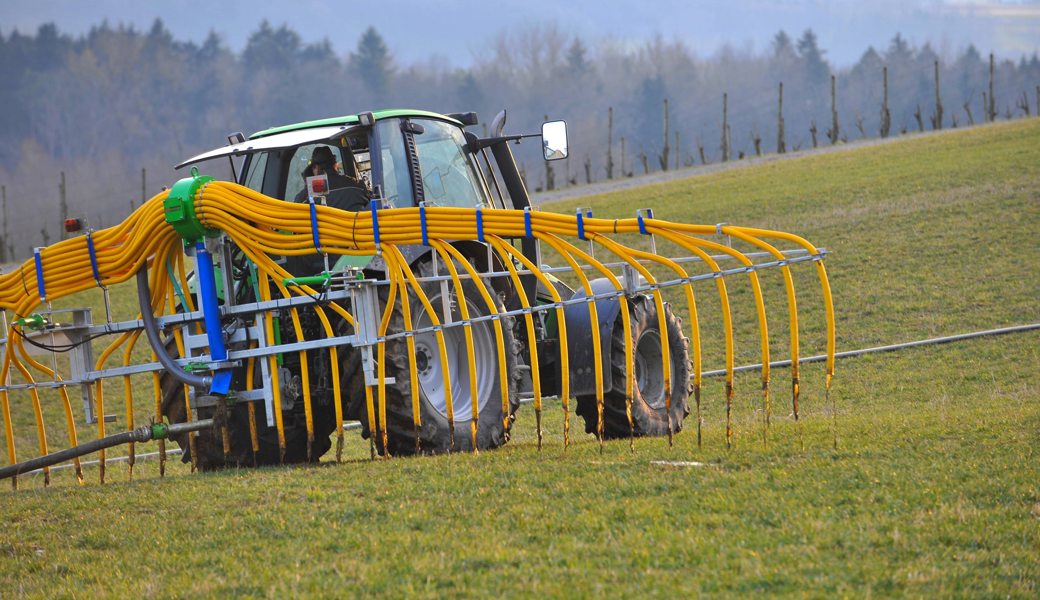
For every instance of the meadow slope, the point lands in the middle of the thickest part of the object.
(917, 477)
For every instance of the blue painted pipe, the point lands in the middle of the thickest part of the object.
(211, 312)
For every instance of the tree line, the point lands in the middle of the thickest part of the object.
(91, 125)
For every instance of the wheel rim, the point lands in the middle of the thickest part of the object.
(431, 374)
(649, 375)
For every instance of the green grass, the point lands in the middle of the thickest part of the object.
(932, 491)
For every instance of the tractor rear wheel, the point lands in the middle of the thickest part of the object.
(436, 434)
(650, 414)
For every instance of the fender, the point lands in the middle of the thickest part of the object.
(579, 337)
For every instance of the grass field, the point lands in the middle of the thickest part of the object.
(933, 489)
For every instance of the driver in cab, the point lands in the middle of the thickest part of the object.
(344, 192)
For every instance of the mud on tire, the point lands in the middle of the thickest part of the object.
(209, 445)
(649, 415)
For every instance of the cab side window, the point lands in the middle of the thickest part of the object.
(257, 167)
(301, 159)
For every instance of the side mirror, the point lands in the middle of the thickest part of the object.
(554, 140)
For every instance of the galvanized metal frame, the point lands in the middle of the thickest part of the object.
(364, 298)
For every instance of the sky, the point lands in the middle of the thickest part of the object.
(454, 32)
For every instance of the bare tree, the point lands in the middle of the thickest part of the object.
(781, 145)
(725, 127)
(1023, 104)
(624, 168)
(992, 112)
(937, 118)
(886, 116)
(5, 238)
(663, 158)
(610, 143)
(144, 188)
(832, 132)
(812, 131)
(919, 119)
(63, 206)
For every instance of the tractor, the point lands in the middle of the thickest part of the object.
(413, 158)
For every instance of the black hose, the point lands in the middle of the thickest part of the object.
(151, 328)
(889, 348)
(141, 434)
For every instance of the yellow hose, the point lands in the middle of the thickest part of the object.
(439, 334)
(413, 373)
(597, 353)
(41, 432)
(532, 342)
(467, 331)
(384, 323)
(503, 374)
(565, 385)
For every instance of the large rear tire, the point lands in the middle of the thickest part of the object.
(435, 434)
(650, 417)
(209, 444)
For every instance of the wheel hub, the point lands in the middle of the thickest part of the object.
(422, 360)
(431, 371)
(649, 374)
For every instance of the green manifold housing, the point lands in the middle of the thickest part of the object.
(179, 208)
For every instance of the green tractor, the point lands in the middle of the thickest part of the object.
(407, 158)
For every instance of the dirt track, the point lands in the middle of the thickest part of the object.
(603, 187)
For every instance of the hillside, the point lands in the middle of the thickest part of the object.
(918, 476)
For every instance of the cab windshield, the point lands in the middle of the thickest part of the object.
(449, 177)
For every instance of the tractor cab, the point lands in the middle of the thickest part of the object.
(401, 157)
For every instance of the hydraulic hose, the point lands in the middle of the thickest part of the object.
(151, 328)
(141, 434)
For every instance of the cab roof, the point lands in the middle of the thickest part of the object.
(353, 120)
(321, 130)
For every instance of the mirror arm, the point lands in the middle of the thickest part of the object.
(481, 143)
